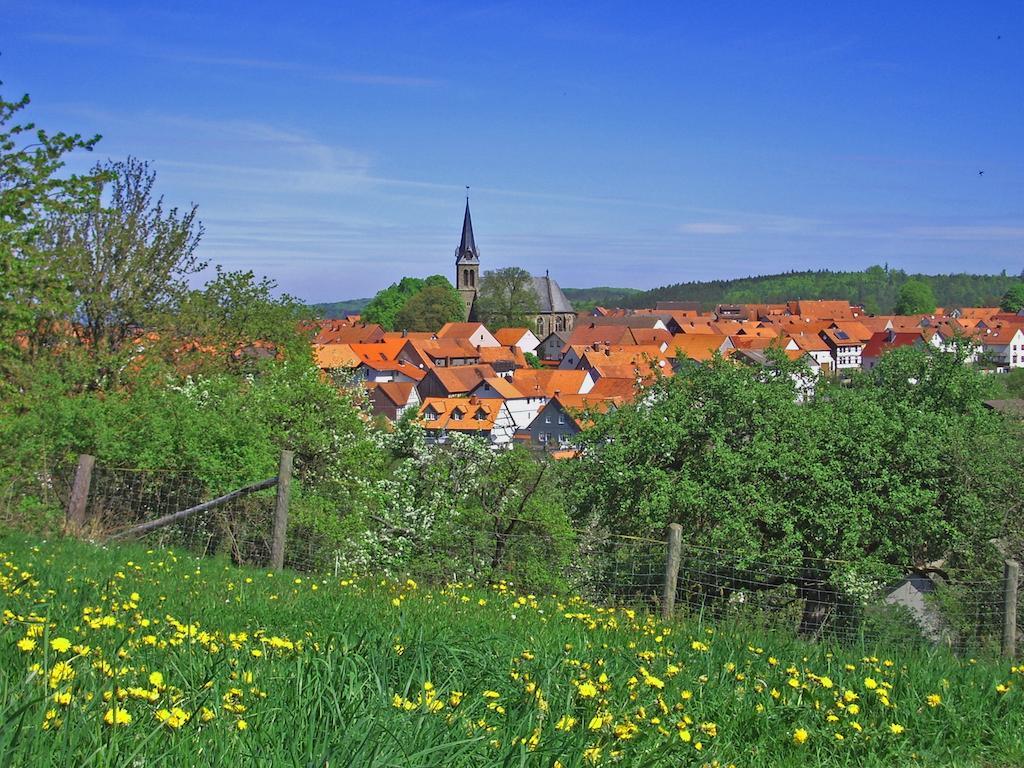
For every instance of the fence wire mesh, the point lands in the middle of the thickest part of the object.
(122, 498)
(814, 599)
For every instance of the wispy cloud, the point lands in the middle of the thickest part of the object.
(184, 56)
(980, 232)
(305, 70)
(710, 228)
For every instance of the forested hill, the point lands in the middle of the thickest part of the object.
(341, 308)
(877, 288)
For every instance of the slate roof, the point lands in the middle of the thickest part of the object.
(467, 246)
(549, 296)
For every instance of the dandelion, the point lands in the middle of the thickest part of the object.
(565, 723)
(60, 644)
(800, 736)
(241, 725)
(587, 690)
(870, 683)
(26, 644)
(933, 700)
(896, 729)
(117, 716)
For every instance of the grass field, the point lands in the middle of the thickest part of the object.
(129, 657)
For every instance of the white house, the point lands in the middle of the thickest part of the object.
(523, 338)
(475, 333)
(846, 350)
(1003, 346)
(523, 408)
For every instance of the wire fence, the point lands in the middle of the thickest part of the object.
(827, 600)
(123, 498)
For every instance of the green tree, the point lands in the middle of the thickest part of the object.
(236, 308)
(1013, 299)
(916, 298)
(31, 189)
(383, 308)
(431, 308)
(532, 360)
(125, 257)
(507, 298)
(844, 490)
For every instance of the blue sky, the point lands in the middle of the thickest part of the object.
(328, 144)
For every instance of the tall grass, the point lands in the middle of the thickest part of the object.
(254, 668)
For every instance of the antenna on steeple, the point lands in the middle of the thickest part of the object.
(467, 193)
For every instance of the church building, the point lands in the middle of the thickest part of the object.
(555, 310)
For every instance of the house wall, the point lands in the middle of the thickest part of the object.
(551, 428)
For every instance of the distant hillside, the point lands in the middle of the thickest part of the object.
(877, 288)
(341, 308)
(585, 299)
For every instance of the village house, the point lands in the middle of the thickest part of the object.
(392, 399)
(522, 407)
(846, 351)
(523, 338)
(486, 418)
(453, 382)
(551, 347)
(886, 341)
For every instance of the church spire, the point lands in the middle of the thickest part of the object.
(467, 248)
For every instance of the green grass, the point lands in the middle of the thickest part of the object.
(362, 672)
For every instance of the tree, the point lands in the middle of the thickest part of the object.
(916, 298)
(431, 308)
(30, 190)
(383, 308)
(837, 493)
(235, 309)
(507, 298)
(125, 258)
(1013, 299)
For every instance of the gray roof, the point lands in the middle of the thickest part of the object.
(467, 246)
(549, 296)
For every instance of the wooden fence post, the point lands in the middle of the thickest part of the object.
(1011, 580)
(75, 518)
(284, 487)
(673, 549)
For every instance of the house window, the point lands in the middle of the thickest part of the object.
(561, 418)
(542, 437)
(430, 415)
(547, 418)
(456, 415)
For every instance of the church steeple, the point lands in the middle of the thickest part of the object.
(467, 248)
(467, 262)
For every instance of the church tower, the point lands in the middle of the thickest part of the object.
(467, 264)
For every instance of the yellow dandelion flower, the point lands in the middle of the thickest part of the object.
(60, 644)
(896, 729)
(933, 699)
(117, 716)
(800, 736)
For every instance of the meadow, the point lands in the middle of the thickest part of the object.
(129, 656)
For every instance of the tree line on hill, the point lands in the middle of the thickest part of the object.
(106, 349)
(877, 288)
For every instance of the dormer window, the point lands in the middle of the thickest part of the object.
(430, 415)
(481, 414)
(457, 414)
